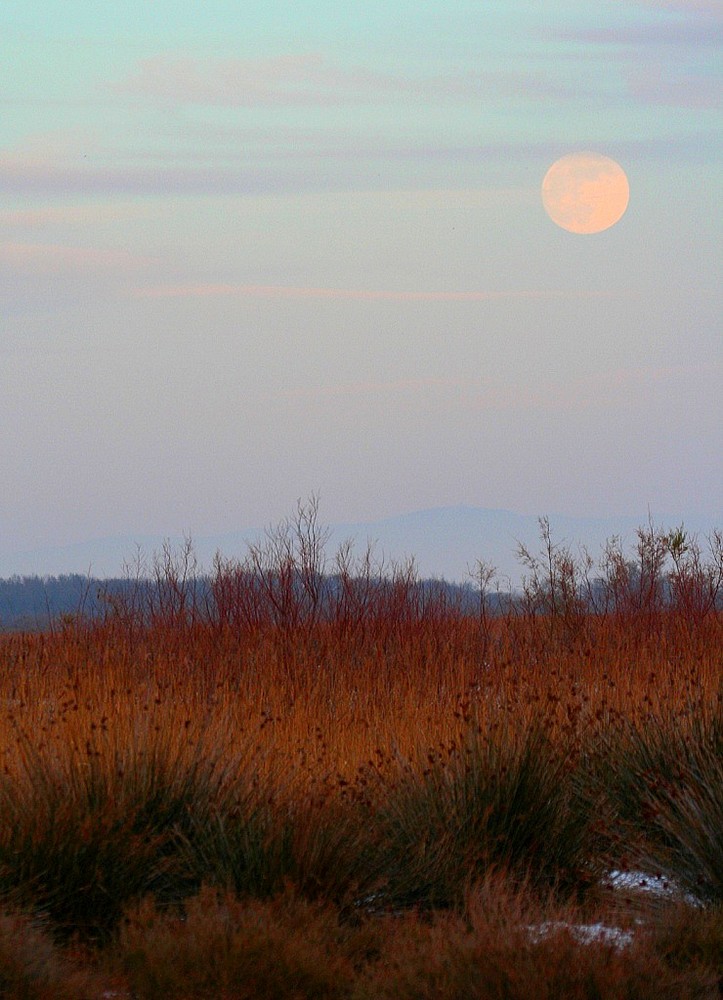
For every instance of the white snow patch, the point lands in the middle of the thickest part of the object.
(656, 885)
(642, 882)
(584, 933)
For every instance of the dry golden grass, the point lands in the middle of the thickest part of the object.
(337, 706)
(139, 761)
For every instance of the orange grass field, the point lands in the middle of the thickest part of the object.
(138, 753)
(326, 708)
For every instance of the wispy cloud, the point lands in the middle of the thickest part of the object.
(669, 31)
(274, 162)
(27, 175)
(304, 292)
(611, 388)
(672, 87)
(601, 389)
(290, 80)
(68, 215)
(313, 80)
(52, 259)
(709, 8)
(665, 59)
(377, 387)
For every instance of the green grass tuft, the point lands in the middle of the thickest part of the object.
(666, 787)
(491, 803)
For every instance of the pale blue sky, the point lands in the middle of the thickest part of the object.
(251, 251)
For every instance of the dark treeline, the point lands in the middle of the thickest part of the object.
(288, 580)
(35, 603)
(39, 602)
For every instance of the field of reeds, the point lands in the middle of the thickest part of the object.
(314, 779)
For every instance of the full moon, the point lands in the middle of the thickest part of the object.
(585, 192)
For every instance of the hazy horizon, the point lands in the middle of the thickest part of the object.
(444, 542)
(251, 252)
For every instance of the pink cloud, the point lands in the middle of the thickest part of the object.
(313, 80)
(28, 175)
(658, 85)
(602, 389)
(302, 292)
(52, 259)
(608, 388)
(63, 215)
(712, 8)
(364, 388)
(303, 80)
(687, 78)
(661, 31)
(282, 163)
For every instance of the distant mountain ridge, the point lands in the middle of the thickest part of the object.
(444, 541)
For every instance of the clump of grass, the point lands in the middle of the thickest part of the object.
(689, 937)
(86, 831)
(32, 967)
(495, 801)
(334, 849)
(287, 947)
(269, 830)
(241, 846)
(509, 943)
(666, 785)
(685, 814)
